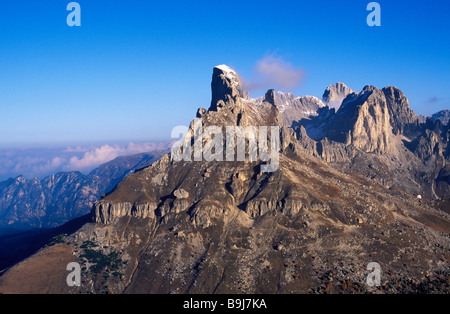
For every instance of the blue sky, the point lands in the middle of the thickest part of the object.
(135, 69)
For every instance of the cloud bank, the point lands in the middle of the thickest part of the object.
(43, 162)
(100, 155)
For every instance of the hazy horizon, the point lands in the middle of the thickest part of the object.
(42, 161)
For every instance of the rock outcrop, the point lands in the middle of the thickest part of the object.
(110, 213)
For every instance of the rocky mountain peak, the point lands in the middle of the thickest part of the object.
(335, 94)
(292, 108)
(363, 121)
(270, 97)
(226, 87)
(443, 116)
(368, 88)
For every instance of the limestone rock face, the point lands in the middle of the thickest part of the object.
(372, 130)
(443, 180)
(335, 94)
(363, 121)
(428, 144)
(110, 213)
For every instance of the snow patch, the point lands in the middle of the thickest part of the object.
(227, 70)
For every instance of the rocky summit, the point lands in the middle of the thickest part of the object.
(335, 94)
(363, 185)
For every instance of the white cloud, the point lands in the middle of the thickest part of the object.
(29, 165)
(43, 162)
(100, 155)
(273, 72)
(57, 162)
(94, 157)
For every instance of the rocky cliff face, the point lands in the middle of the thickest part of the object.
(403, 119)
(363, 121)
(227, 226)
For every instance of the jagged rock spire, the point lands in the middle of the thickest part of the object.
(226, 87)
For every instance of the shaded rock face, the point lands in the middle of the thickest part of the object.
(311, 226)
(403, 119)
(335, 94)
(443, 180)
(270, 97)
(297, 109)
(427, 145)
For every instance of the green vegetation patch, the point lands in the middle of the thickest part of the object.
(100, 261)
(57, 239)
(88, 244)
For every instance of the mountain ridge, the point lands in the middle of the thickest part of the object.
(313, 225)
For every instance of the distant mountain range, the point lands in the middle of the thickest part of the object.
(443, 116)
(58, 198)
(357, 182)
